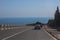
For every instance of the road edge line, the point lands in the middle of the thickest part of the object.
(50, 35)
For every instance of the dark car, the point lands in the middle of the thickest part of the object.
(37, 27)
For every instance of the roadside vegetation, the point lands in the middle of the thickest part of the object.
(55, 23)
(33, 24)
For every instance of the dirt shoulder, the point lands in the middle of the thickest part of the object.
(53, 32)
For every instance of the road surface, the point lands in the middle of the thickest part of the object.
(25, 34)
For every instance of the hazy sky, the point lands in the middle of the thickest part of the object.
(28, 8)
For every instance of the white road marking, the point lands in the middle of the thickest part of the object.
(50, 35)
(14, 34)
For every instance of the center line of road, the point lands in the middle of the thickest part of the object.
(15, 34)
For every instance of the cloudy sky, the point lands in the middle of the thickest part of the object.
(28, 8)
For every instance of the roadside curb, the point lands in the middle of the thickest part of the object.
(51, 35)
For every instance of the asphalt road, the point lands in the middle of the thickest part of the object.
(24, 34)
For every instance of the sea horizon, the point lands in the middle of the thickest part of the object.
(23, 21)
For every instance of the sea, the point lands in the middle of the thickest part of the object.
(22, 21)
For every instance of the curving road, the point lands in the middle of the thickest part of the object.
(28, 35)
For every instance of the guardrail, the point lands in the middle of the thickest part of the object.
(7, 27)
